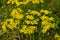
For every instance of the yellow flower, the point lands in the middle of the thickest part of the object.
(13, 24)
(22, 30)
(57, 36)
(46, 12)
(8, 2)
(19, 10)
(10, 20)
(35, 1)
(12, 2)
(16, 13)
(21, 16)
(53, 25)
(35, 13)
(13, 12)
(38, 14)
(4, 28)
(29, 17)
(24, 26)
(45, 23)
(45, 28)
(2, 7)
(10, 23)
(17, 16)
(10, 26)
(29, 10)
(51, 19)
(34, 22)
(27, 21)
(28, 30)
(44, 17)
(31, 28)
(26, 1)
(42, 10)
(17, 22)
(4, 22)
(18, 3)
(42, 1)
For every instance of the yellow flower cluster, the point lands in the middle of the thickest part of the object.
(30, 17)
(16, 13)
(14, 2)
(46, 23)
(32, 12)
(10, 23)
(37, 1)
(31, 22)
(28, 29)
(35, 13)
(57, 36)
(46, 18)
(4, 26)
(46, 26)
(45, 11)
(17, 2)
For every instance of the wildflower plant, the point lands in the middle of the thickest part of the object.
(28, 20)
